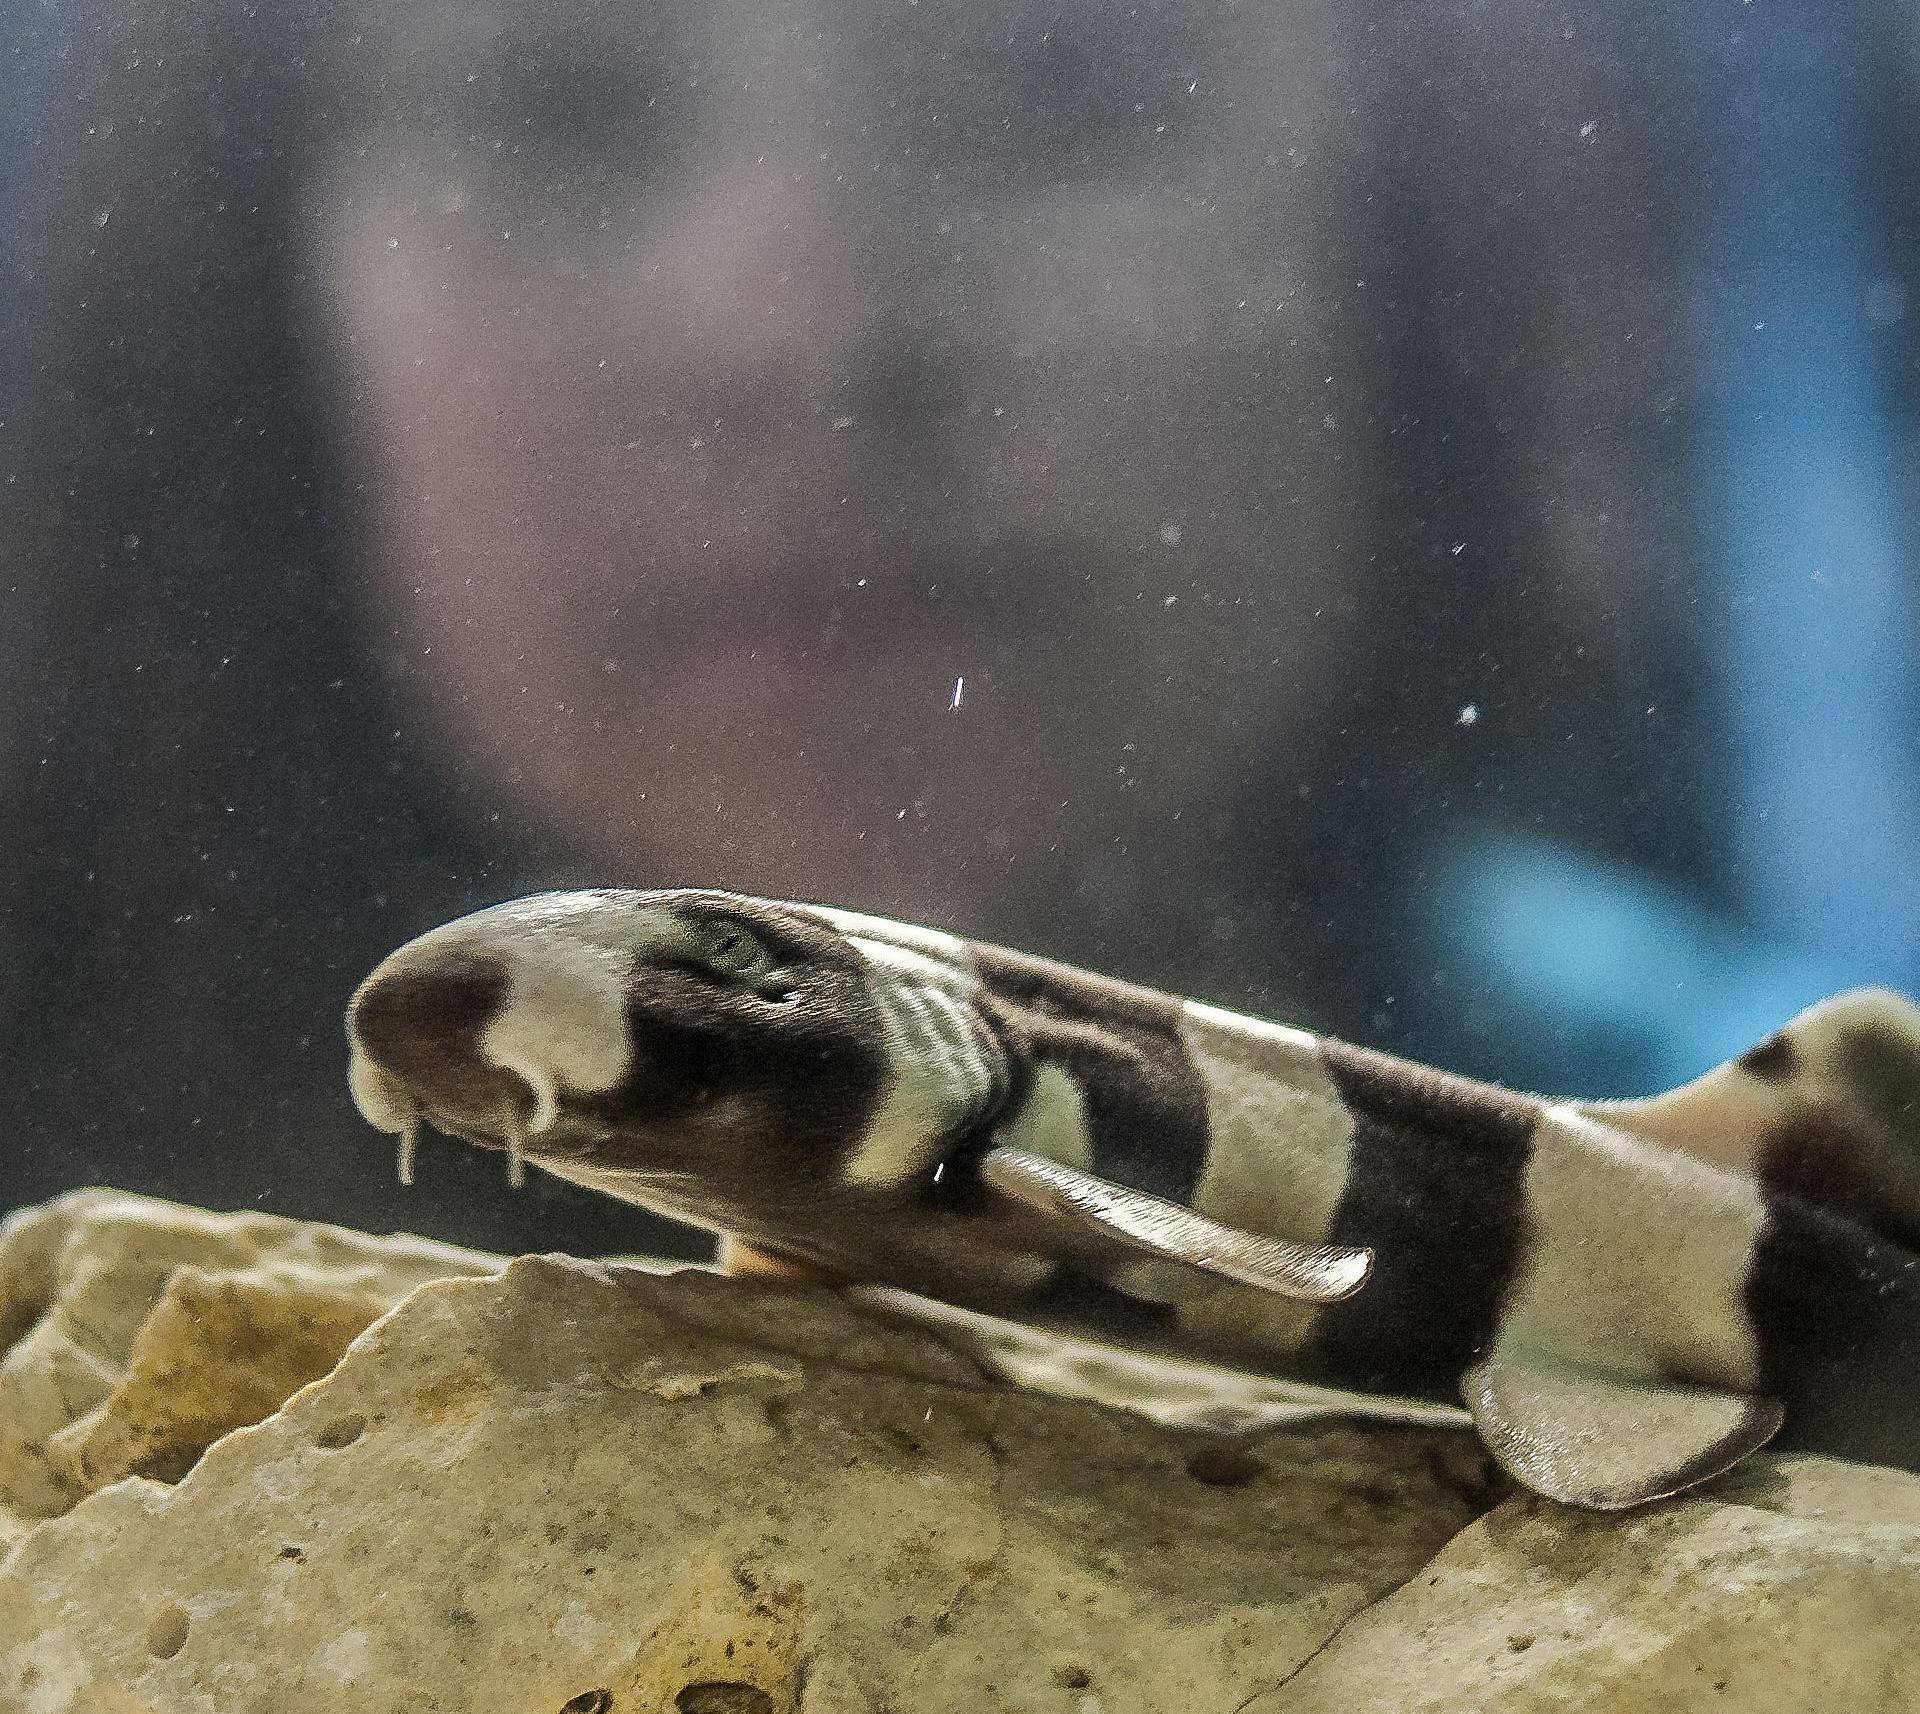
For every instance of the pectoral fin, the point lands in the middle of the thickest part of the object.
(1166, 1230)
(1606, 1442)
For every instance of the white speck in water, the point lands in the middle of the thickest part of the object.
(939, 1171)
(929, 1416)
(1468, 715)
(959, 690)
(1591, 126)
(102, 216)
(1170, 534)
(1886, 301)
(843, 422)
(1457, 549)
(393, 243)
(1169, 600)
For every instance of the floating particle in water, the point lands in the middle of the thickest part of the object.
(1886, 301)
(1468, 715)
(959, 690)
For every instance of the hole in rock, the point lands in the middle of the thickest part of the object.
(167, 1634)
(1223, 1466)
(721, 1696)
(588, 1702)
(342, 1431)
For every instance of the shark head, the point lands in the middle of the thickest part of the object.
(713, 1056)
(867, 1096)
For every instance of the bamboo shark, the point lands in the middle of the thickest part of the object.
(1628, 1296)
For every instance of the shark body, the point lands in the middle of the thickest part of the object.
(1627, 1296)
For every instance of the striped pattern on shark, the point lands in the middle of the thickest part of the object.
(1627, 1296)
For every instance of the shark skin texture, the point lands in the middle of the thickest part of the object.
(1628, 1297)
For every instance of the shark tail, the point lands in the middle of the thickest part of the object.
(1826, 1109)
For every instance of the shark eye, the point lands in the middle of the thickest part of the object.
(728, 949)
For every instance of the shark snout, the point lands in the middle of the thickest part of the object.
(418, 1030)
(431, 1004)
(485, 1028)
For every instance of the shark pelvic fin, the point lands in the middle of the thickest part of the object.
(1317, 1274)
(1607, 1442)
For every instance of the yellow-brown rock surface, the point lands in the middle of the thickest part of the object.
(574, 1488)
(135, 1332)
(588, 1487)
(1792, 1584)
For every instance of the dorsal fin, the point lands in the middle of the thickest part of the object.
(1827, 1109)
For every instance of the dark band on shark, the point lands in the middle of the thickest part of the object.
(1437, 1189)
(1842, 1341)
(1836, 1171)
(1875, 1062)
(1846, 1135)
(1075, 1299)
(1810, 1156)
(819, 1071)
(1773, 1060)
(1146, 1104)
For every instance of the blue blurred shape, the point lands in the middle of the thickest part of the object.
(1805, 501)
(1595, 949)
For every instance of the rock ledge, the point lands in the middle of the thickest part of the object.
(573, 1488)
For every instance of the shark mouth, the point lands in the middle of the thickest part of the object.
(389, 1105)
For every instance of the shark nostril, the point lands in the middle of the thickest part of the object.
(433, 1008)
